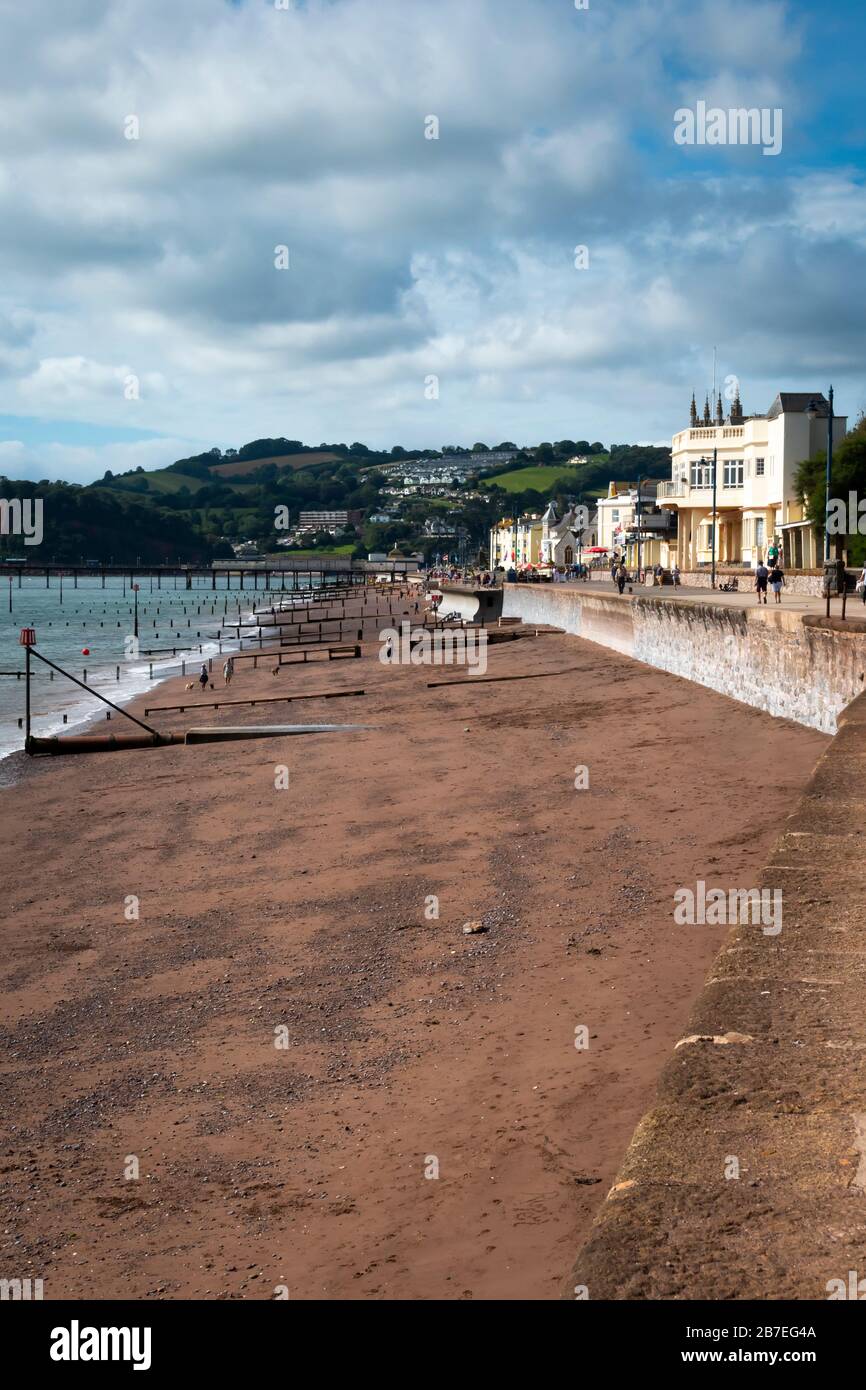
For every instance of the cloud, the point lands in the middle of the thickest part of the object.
(84, 464)
(154, 257)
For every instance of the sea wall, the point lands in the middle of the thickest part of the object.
(792, 665)
(475, 605)
(747, 1177)
(796, 581)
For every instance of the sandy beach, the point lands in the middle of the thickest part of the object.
(410, 1045)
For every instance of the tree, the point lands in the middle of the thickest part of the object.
(597, 448)
(480, 449)
(849, 475)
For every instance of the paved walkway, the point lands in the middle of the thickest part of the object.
(744, 598)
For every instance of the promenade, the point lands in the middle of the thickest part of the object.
(744, 598)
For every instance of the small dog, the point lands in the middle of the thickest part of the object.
(192, 685)
(275, 671)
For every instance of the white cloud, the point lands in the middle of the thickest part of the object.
(84, 464)
(155, 257)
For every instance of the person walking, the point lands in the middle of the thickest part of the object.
(203, 676)
(229, 670)
(675, 575)
(777, 579)
(621, 577)
(762, 574)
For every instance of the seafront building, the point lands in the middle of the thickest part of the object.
(622, 523)
(756, 501)
(516, 541)
(334, 520)
(564, 539)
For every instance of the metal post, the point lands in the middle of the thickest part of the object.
(27, 697)
(715, 518)
(828, 482)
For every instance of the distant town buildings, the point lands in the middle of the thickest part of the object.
(756, 501)
(542, 540)
(330, 520)
(430, 472)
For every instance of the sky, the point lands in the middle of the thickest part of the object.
(225, 219)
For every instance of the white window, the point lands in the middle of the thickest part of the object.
(614, 515)
(733, 472)
(759, 530)
(702, 474)
(759, 468)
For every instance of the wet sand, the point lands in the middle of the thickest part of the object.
(410, 1044)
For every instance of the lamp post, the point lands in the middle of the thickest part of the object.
(638, 516)
(135, 619)
(811, 415)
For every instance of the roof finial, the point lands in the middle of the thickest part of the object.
(708, 419)
(693, 412)
(720, 414)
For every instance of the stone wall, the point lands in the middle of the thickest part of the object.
(747, 1177)
(793, 666)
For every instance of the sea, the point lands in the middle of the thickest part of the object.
(86, 627)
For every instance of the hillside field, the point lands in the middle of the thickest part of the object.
(541, 479)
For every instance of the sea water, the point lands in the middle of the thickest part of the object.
(101, 619)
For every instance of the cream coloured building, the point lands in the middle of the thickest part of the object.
(756, 502)
(619, 522)
(516, 541)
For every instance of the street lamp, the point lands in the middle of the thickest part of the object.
(637, 517)
(812, 415)
(135, 623)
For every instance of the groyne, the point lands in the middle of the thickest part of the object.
(794, 665)
(747, 1177)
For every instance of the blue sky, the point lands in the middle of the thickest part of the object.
(142, 316)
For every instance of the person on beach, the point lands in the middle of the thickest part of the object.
(777, 579)
(203, 677)
(621, 577)
(229, 670)
(762, 574)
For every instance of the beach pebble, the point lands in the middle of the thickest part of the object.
(473, 928)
